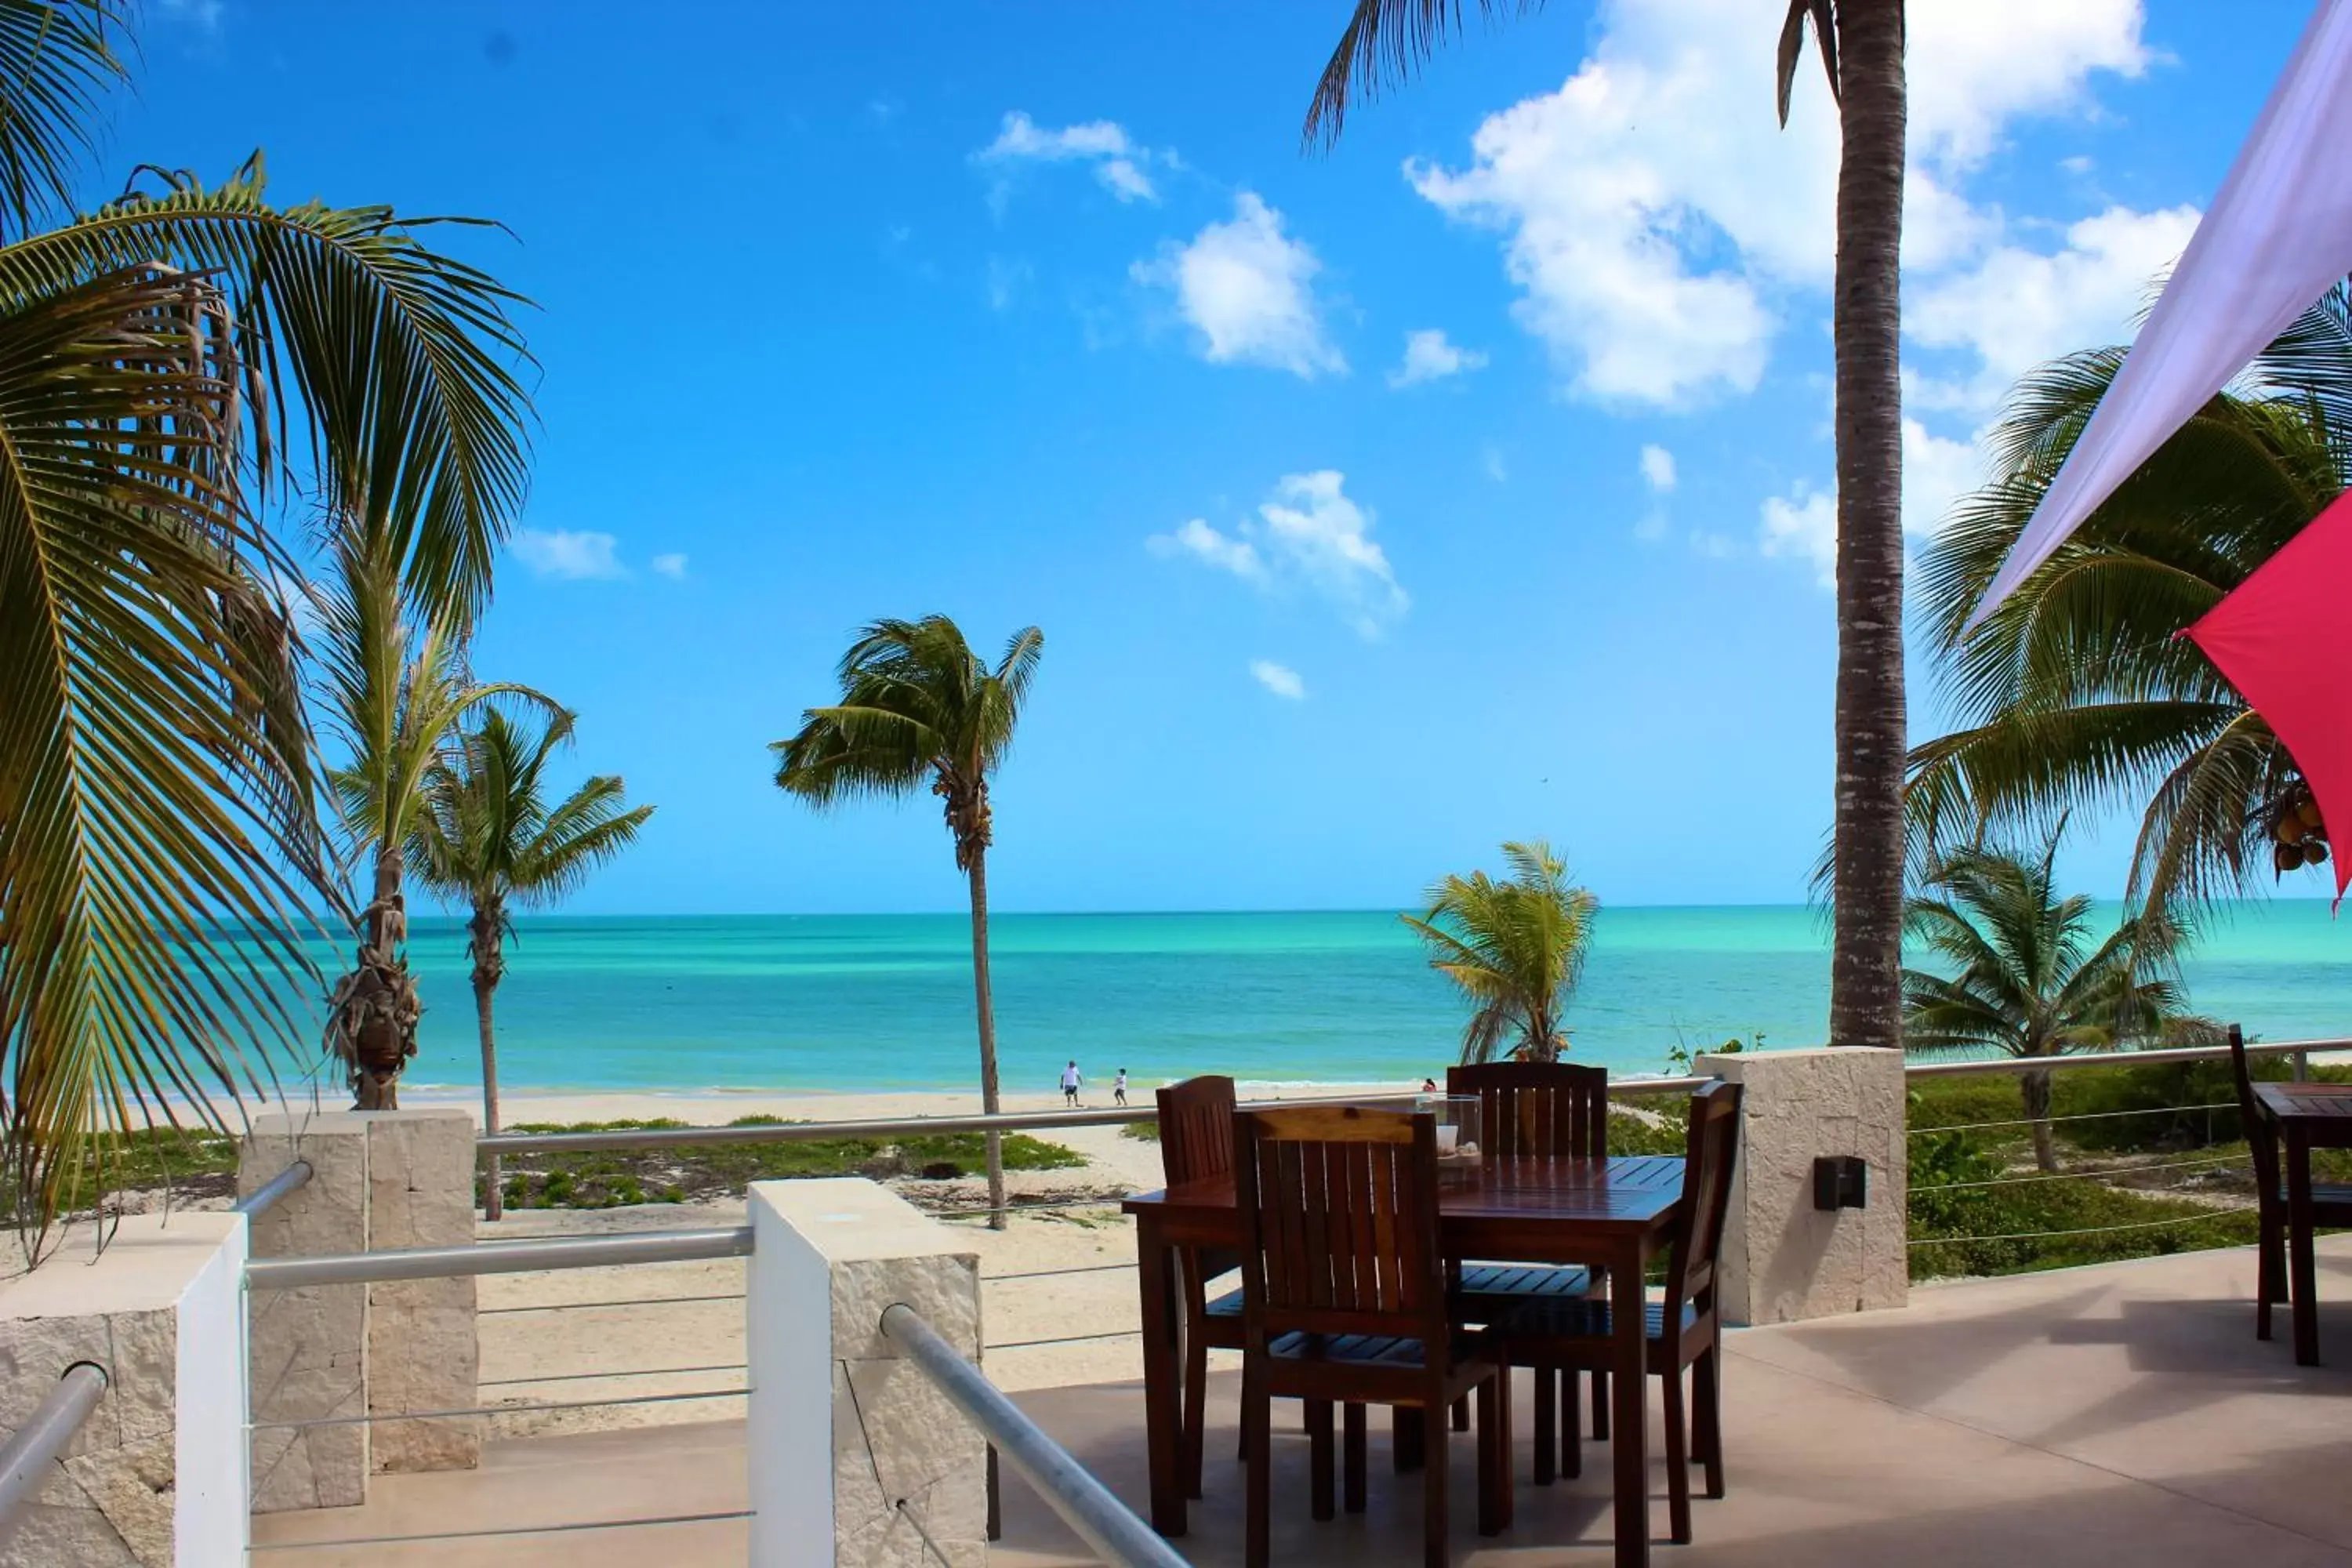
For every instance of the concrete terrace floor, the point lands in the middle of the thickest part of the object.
(2118, 1415)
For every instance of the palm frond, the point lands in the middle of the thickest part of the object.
(1384, 45)
(153, 851)
(57, 60)
(398, 362)
(1514, 948)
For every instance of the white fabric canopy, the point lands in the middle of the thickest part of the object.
(2276, 237)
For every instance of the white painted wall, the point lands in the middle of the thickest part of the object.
(789, 1346)
(211, 1520)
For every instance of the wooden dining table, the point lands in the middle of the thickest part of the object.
(2309, 1116)
(1614, 1214)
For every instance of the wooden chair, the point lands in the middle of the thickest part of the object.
(1537, 1108)
(2331, 1203)
(1345, 1303)
(1683, 1330)
(1196, 1140)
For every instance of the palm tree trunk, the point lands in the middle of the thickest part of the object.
(485, 984)
(2035, 1088)
(1865, 984)
(381, 1055)
(986, 1005)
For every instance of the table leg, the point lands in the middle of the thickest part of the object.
(1629, 1429)
(2301, 1272)
(1163, 1417)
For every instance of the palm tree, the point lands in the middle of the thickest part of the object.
(396, 690)
(1514, 948)
(916, 705)
(158, 832)
(487, 839)
(2075, 694)
(1861, 43)
(2016, 973)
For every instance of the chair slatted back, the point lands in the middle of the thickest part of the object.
(2262, 1138)
(1536, 1108)
(1196, 1128)
(1338, 1210)
(1711, 1154)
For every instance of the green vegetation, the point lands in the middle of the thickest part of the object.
(919, 709)
(2075, 693)
(485, 837)
(2138, 1183)
(192, 1163)
(2016, 973)
(1514, 948)
(608, 1179)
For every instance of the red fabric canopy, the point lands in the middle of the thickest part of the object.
(2284, 639)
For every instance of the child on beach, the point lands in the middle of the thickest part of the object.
(1071, 1079)
(1118, 1087)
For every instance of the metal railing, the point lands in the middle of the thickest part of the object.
(35, 1447)
(498, 1257)
(2125, 1058)
(1085, 1504)
(265, 1197)
(507, 1145)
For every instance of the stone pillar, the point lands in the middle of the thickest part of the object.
(156, 1477)
(841, 1430)
(1782, 1258)
(308, 1346)
(423, 1350)
(380, 1179)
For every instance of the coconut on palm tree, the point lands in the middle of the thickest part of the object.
(2017, 971)
(489, 837)
(2076, 693)
(1514, 947)
(918, 707)
(156, 354)
(1861, 43)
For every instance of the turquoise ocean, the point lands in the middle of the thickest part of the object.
(876, 1002)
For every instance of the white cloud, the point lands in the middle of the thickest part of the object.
(562, 553)
(202, 15)
(1213, 549)
(1308, 534)
(1490, 457)
(1249, 289)
(1658, 468)
(2016, 309)
(1656, 225)
(671, 565)
(1714, 546)
(1278, 678)
(1116, 158)
(1428, 356)
(1803, 525)
(1937, 472)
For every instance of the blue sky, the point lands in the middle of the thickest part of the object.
(1467, 483)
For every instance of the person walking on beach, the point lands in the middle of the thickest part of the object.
(1118, 1087)
(1071, 1079)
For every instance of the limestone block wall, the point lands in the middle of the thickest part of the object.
(842, 1430)
(380, 1181)
(423, 1350)
(156, 1477)
(1783, 1260)
(308, 1346)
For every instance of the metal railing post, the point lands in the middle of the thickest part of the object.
(1103, 1521)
